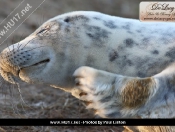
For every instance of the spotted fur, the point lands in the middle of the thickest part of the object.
(121, 67)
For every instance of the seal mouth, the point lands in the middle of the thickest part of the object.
(35, 64)
(41, 62)
(38, 64)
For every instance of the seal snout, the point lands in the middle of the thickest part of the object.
(11, 61)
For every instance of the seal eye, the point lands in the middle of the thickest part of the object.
(67, 20)
(42, 30)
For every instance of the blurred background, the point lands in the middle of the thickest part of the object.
(38, 101)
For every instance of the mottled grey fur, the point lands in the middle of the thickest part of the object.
(132, 75)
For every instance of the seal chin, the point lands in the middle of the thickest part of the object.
(9, 77)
